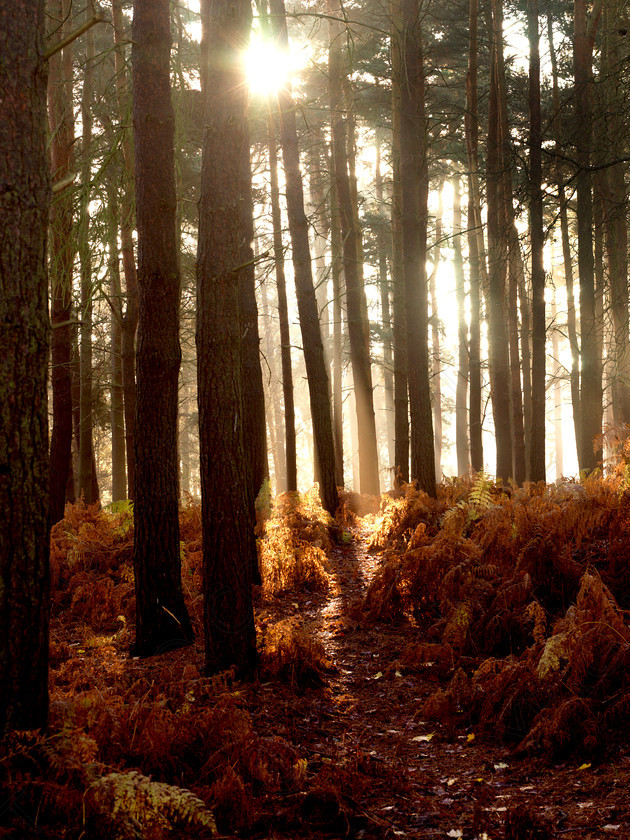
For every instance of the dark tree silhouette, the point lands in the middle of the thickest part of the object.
(229, 543)
(162, 620)
(24, 337)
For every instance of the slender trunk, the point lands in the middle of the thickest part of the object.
(119, 477)
(273, 404)
(613, 185)
(254, 430)
(86, 451)
(524, 298)
(386, 324)
(461, 389)
(476, 247)
(415, 191)
(497, 257)
(337, 291)
(61, 257)
(435, 337)
(283, 315)
(320, 222)
(130, 319)
(557, 391)
(162, 621)
(303, 273)
(591, 390)
(519, 469)
(359, 347)
(399, 326)
(566, 248)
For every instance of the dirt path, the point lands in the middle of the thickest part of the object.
(379, 770)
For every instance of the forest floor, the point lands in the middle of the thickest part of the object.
(418, 778)
(457, 667)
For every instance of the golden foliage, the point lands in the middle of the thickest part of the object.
(131, 805)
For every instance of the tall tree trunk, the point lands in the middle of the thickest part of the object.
(130, 320)
(359, 347)
(386, 321)
(320, 222)
(24, 342)
(283, 316)
(303, 272)
(275, 420)
(557, 390)
(566, 248)
(399, 327)
(435, 336)
(476, 247)
(336, 269)
(254, 430)
(613, 186)
(415, 190)
(162, 621)
(229, 543)
(461, 389)
(519, 467)
(86, 450)
(497, 258)
(61, 257)
(591, 390)
(119, 476)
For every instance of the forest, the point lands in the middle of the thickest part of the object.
(314, 419)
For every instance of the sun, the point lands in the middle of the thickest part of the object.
(268, 68)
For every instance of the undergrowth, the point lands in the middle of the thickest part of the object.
(520, 596)
(516, 600)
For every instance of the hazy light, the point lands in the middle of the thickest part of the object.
(268, 68)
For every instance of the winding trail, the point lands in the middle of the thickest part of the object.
(401, 776)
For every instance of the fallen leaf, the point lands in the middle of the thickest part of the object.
(470, 737)
(379, 675)
(584, 766)
(423, 737)
(455, 832)
(398, 674)
(611, 827)
(500, 766)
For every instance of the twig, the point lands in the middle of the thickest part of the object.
(60, 45)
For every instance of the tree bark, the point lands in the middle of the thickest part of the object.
(130, 319)
(303, 272)
(162, 621)
(336, 269)
(557, 391)
(614, 206)
(415, 190)
(283, 316)
(566, 249)
(61, 257)
(435, 336)
(119, 476)
(229, 543)
(591, 386)
(386, 320)
(24, 344)
(476, 247)
(357, 328)
(86, 421)
(461, 389)
(254, 429)
(497, 258)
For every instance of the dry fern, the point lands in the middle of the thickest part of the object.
(132, 804)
